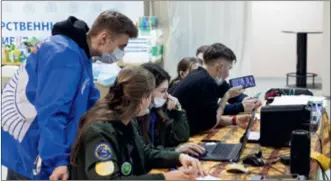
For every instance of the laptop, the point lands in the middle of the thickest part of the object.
(218, 151)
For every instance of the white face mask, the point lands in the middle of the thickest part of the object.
(219, 80)
(159, 102)
(115, 56)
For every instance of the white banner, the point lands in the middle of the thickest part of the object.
(22, 19)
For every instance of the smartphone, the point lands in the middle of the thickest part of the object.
(245, 82)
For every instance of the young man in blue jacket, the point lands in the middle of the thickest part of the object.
(44, 100)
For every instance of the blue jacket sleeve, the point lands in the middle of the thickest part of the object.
(233, 109)
(224, 87)
(58, 82)
(94, 96)
(237, 99)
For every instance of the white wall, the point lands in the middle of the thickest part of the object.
(195, 23)
(273, 52)
(326, 53)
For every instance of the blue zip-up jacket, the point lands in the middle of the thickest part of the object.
(42, 105)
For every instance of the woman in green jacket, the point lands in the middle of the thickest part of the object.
(166, 125)
(107, 146)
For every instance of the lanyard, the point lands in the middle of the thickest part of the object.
(152, 126)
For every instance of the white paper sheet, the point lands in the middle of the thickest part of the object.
(297, 100)
(209, 177)
(253, 135)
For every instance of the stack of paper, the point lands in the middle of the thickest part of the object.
(298, 100)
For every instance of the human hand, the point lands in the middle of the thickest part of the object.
(191, 148)
(250, 104)
(172, 102)
(243, 120)
(191, 163)
(60, 173)
(177, 175)
(191, 172)
(235, 91)
(258, 103)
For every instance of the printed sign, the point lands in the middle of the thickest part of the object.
(24, 20)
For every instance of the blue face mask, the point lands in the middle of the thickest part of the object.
(106, 80)
(115, 56)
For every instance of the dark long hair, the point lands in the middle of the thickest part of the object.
(121, 102)
(184, 65)
(160, 76)
(158, 72)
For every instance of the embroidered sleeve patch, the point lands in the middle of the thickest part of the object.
(104, 168)
(103, 152)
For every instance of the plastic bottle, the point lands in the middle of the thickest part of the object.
(5, 54)
(159, 43)
(154, 48)
(23, 55)
(16, 56)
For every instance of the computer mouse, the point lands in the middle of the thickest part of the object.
(254, 161)
(236, 168)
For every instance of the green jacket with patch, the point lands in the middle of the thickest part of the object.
(111, 150)
(170, 128)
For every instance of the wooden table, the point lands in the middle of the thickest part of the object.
(232, 134)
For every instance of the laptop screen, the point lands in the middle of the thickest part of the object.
(244, 138)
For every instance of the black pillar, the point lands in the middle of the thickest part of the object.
(301, 60)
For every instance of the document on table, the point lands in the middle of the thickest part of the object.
(297, 100)
(257, 116)
(209, 177)
(252, 135)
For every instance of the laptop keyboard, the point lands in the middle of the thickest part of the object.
(227, 151)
